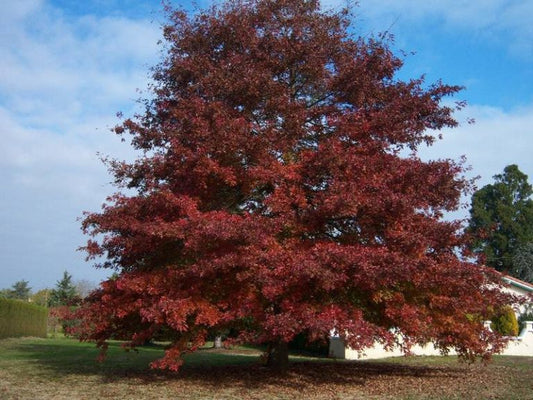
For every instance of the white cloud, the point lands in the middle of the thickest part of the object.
(49, 179)
(48, 161)
(77, 66)
(14, 11)
(495, 140)
(62, 79)
(507, 22)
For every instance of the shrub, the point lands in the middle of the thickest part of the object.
(18, 318)
(505, 322)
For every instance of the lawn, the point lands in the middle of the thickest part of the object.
(66, 369)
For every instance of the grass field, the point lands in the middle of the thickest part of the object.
(66, 369)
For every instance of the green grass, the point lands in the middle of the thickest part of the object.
(62, 368)
(69, 356)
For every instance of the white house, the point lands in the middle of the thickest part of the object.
(518, 287)
(521, 345)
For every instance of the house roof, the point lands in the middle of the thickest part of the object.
(511, 280)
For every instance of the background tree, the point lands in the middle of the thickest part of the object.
(64, 294)
(522, 262)
(20, 290)
(42, 297)
(84, 287)
(272, 195)
(501, 223)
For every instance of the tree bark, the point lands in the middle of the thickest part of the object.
(278, 356)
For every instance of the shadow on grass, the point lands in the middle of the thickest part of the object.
(211, 368)
(314, 373)
(68, 356)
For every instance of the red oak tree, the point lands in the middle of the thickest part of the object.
(279, 192)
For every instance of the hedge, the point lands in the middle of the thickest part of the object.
(18, 318)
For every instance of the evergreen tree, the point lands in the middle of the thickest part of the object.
(523, 262)
(501, 223)
(64, 292)
(20, 290)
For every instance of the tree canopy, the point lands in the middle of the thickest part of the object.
(20, 290)
(501, 223)
(273, 195)
(64, 293)
(41, 297)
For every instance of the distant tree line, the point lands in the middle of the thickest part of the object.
(19, 291)
(65, 293)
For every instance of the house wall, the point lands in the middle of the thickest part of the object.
(521, 345)
(517, 292)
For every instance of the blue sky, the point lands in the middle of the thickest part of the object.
(67, 67)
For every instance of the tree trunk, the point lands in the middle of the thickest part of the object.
(278, 356)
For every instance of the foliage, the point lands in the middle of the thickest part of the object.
(64, 293)
(273, 196)
(18, 318)
(505, 322)
(501, 223)
(522, 262)
(62, 319)
(19, 291)
(41, 297)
